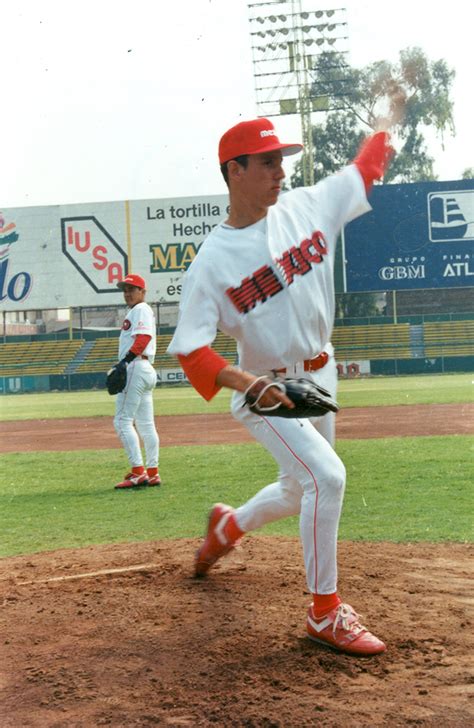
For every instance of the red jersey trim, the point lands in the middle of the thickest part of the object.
(201, 368)
(140, 343)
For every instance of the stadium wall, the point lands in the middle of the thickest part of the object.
(70, 258)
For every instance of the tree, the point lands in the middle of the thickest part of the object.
(358, 97)
(468, 173)
(355, 99)
(356, 305)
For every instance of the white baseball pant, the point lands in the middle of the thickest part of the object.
(134, 412)
(311, 483)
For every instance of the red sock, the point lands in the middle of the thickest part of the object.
(152, 471)
(138, 470)
(231, 530)
(324, 603)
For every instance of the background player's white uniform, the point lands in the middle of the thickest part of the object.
(135, 403)
(271, 286)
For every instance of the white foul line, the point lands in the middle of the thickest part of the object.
(104, 572)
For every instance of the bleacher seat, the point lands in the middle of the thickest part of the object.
(378, 341)
(225, 346)
(34, 358)
(102, 355)
(449, 338)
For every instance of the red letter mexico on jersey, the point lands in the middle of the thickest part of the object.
(264, 282)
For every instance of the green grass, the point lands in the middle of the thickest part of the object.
(370, 392)
(426, 389)
(400, 489)
(94, 403)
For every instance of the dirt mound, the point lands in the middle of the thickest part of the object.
(123, 635)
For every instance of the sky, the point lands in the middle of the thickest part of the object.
(109, 100)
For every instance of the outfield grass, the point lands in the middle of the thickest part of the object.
(365, 392)
(399, 489)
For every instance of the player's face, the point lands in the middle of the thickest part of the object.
(133, 295)
(263, 177)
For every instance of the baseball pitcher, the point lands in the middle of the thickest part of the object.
(265, 277)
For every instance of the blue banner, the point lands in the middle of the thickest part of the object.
(416, 236)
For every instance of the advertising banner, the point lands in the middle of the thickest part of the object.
(416, 236)
(74, 255)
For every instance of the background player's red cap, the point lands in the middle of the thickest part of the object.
(252, 137)
(132, 280)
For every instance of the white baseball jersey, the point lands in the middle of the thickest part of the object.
(139, 320)
(270, 285)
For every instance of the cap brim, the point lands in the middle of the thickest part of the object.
(121, 285)
(286, 149)
(289, 149)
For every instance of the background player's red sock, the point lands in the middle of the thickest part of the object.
(324, 603)
(138, 470)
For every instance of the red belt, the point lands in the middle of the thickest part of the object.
(311, 365)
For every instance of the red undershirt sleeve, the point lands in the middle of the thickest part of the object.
(374, 157)
(201, 368)
(140, 344)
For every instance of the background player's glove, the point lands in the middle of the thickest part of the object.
(117, 378)
(310, 399)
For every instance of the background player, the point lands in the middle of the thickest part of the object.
(265, 276)
(134, 406)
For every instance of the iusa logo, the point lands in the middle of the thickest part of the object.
(451, 216)
(13, 286)
(93, 252)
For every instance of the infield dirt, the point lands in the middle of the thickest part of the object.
(211, 429)
(123, 635)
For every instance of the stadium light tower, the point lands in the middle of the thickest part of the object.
(287, 43)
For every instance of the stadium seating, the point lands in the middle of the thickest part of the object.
(34, 358)
(449, 338)
(104, 353)
(164, 360)
(225, 346)
(379, 341)
(100, 357)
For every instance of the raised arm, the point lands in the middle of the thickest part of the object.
(373, 158)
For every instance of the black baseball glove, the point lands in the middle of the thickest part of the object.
(310, 399)
(117, 378)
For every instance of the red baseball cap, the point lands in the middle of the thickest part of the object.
(253, 137)
(132, 280)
